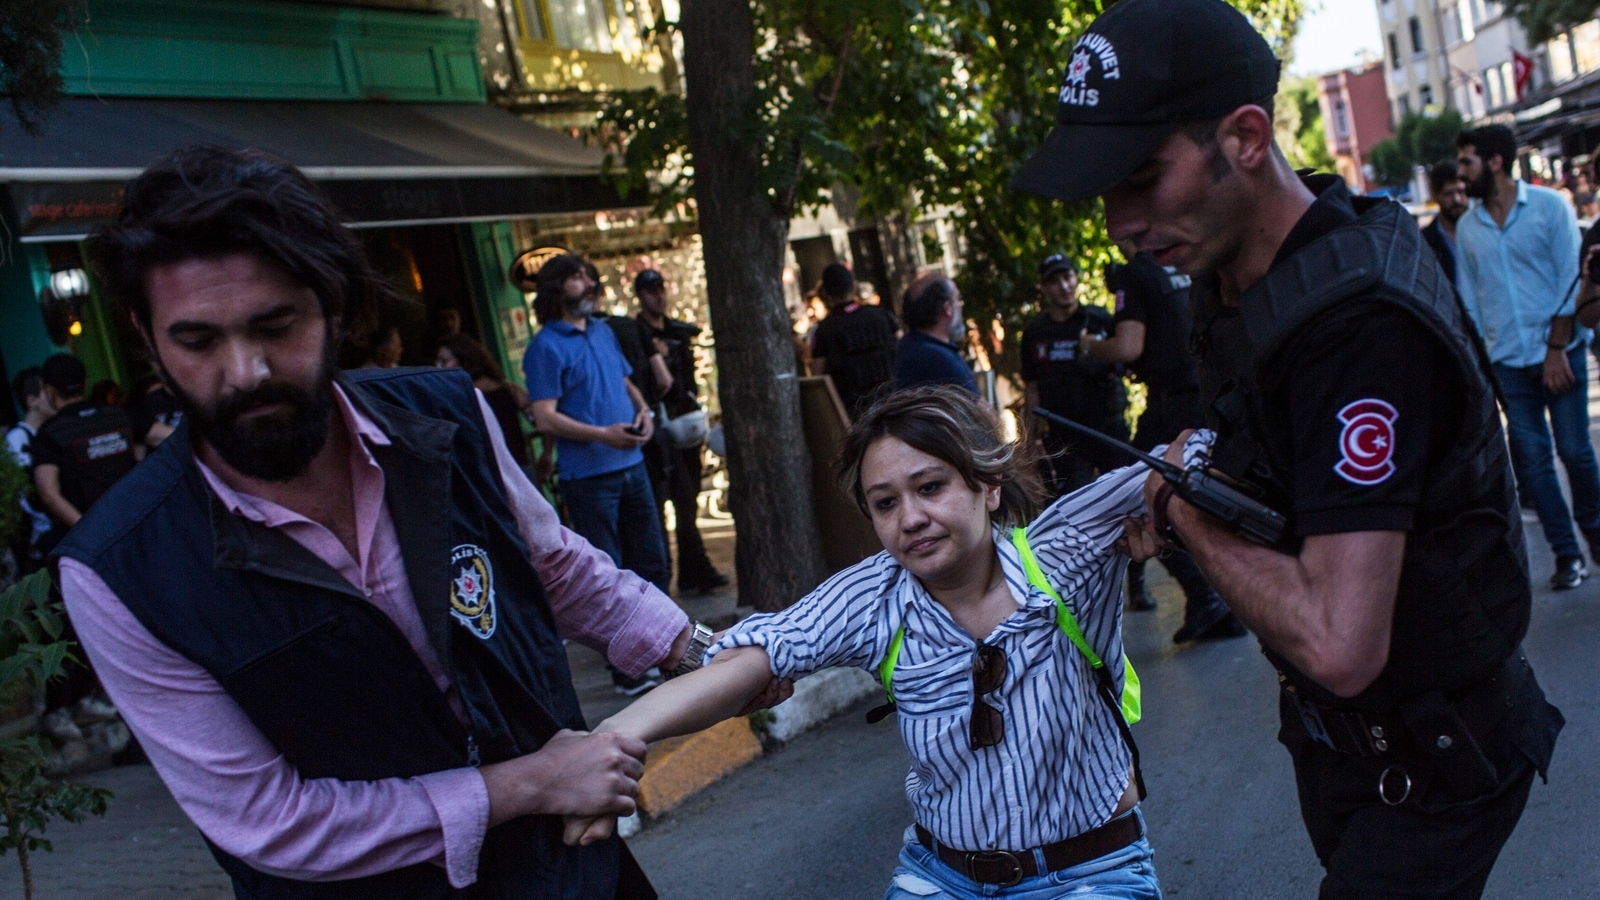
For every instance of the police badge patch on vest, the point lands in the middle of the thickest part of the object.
(472, 589)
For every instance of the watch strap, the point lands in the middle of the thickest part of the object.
(694, 655)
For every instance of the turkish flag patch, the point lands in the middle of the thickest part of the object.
(1366, 445)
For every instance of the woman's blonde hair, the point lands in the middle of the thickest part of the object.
(949, 424)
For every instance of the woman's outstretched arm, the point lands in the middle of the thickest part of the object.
(697, 700)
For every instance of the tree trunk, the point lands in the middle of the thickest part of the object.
(779, 551)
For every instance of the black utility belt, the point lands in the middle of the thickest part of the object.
(1163, 393)
(1428, 726)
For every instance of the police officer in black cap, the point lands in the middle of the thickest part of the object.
(1344, 387)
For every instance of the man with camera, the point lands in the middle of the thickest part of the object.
(1346, 391)
(681, 447)
(1517, 272)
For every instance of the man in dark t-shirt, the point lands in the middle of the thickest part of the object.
(1062, 380)
(1150, 335)
(854, 344)
(81, 451)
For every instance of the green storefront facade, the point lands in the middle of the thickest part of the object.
(386, 109)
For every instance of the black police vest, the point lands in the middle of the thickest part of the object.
(327, 677)
(1464, 598)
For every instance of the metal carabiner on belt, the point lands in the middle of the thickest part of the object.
(1383, 793)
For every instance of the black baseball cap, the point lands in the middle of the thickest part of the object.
(65, 373)
(1056, 262)
(1141, 69)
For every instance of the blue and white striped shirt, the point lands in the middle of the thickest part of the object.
(1062, 766)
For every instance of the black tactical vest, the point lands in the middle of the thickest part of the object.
(1464, 599)
(330, 679)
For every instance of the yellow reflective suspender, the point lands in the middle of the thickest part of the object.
(1132, 708)
(1131, 694)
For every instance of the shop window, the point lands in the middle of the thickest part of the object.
(1468, 22)
(1559, 52)
(1586, 46)
(532, 20)
(1416, 35)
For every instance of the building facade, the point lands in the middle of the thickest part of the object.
(1458, 54)
(1355, 115)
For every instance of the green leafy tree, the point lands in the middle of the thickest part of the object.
(1420, 140)
(31, 38)
(907, 106)
(1298, 123)
(31, 652)
(1544, 19)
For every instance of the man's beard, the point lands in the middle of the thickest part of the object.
(1481, 187)
(583, 305)
(274, 446)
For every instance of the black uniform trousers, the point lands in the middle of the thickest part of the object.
(1166, 415)
(1440, 842)
(675, 475)
(1072, 461)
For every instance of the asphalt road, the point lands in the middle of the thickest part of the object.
(822, 819)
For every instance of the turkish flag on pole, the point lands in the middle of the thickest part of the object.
(1521, 70)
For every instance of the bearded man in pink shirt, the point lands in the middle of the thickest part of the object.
(331, 606)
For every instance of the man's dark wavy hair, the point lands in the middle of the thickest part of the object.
(205, 202)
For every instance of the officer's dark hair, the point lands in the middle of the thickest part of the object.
(28, 384)
(1439, 173)
(837, 285)
(205, 202)
(1489, 141)
(949, 424)
(924, 301)
(1204, 134)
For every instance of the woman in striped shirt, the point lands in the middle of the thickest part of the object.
(1024, 775)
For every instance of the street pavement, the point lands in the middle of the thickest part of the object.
(822, 817)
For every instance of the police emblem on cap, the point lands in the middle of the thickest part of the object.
(472, 589)
(1075, 91)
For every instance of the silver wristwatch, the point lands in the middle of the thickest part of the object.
(694, 656)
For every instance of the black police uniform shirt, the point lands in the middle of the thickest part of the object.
(678, 337)
(637, 350)
(1371, 401)
(93, 447)
(1144, 294)
(856, 343)
(1078, 388)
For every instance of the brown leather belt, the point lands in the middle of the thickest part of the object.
(1004, 868)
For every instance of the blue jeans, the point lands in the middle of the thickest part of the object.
(1126, 874)
(1531, 457)
(616, 512)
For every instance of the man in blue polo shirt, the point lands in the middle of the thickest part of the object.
(578, 382)
(928, 353)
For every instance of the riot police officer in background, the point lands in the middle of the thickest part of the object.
(1151, 337)
(1056, 376)
(1346, 390)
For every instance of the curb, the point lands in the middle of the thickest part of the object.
(677, 768)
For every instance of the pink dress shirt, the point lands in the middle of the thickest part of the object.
(237, 787)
